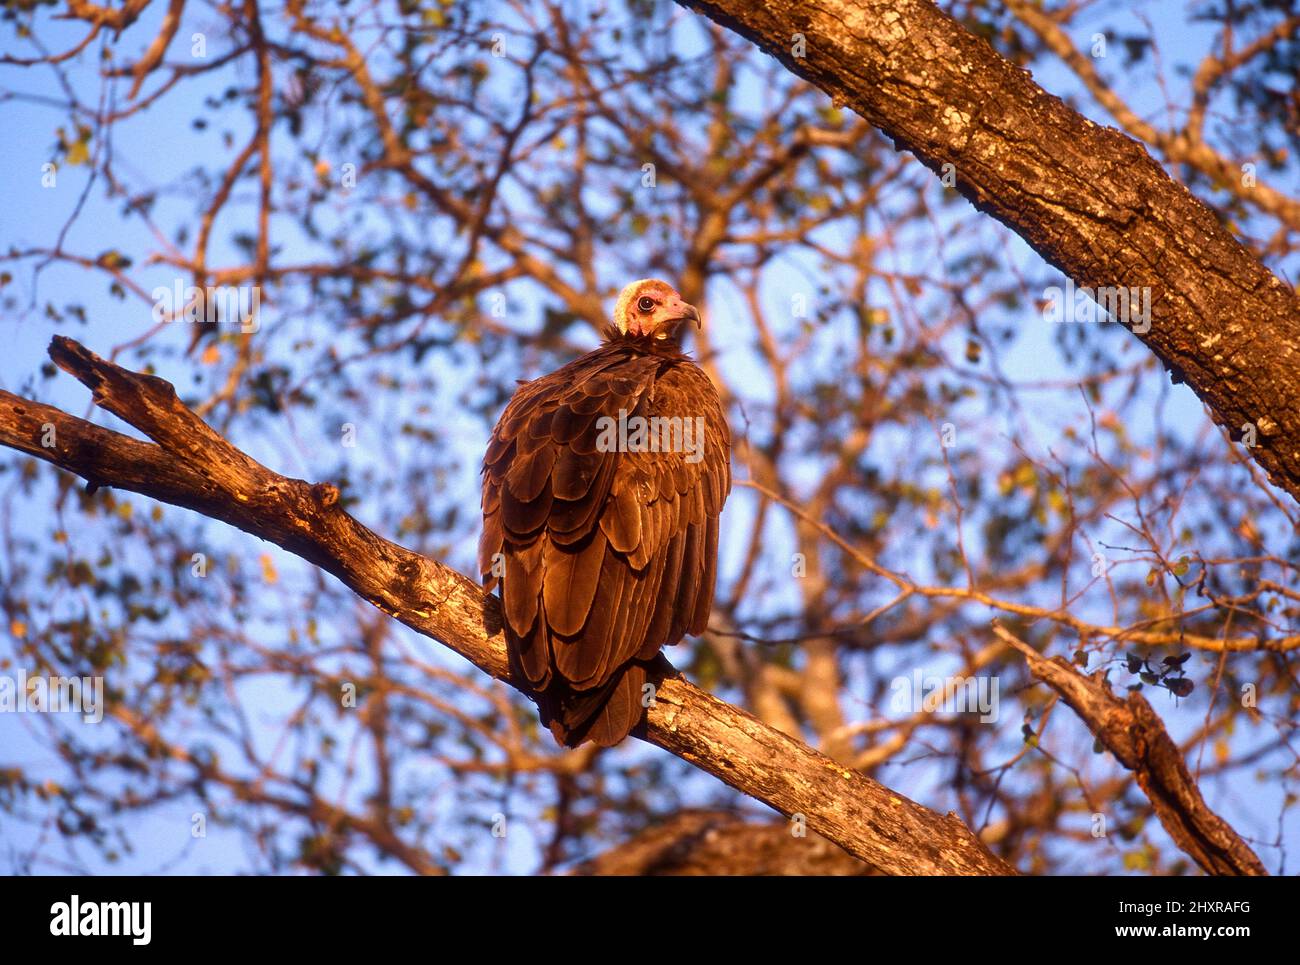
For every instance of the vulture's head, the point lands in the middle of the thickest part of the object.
(651, 307)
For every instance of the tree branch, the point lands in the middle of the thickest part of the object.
(718, 843)
(190, 465)
(1087, 198)
(1134, 733)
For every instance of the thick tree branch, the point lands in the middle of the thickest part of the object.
(190, 465)
(1134, 733)
(1181, 147)
(1089, 199)
(717, 843)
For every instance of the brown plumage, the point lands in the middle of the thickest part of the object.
(607, 548)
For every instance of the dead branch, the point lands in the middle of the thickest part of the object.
(1134, 733)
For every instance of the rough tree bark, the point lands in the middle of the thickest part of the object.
(190, 465)
(1089, 199)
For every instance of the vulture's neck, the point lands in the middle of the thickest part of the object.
(670, 347)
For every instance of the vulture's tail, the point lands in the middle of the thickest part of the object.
(603, 716)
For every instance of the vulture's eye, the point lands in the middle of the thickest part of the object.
(645, 303)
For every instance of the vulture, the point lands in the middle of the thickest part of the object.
(602, 486)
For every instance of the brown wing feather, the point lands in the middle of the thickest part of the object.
(571, 579)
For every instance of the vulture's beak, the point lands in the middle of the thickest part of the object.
(682, 311)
